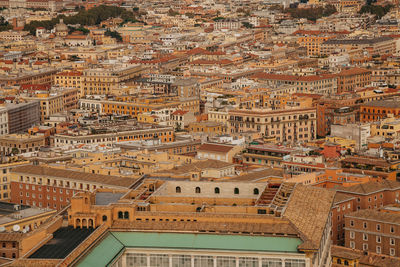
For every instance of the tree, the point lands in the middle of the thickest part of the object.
(14, 151)
(89, 17)
(247, 25)
(172, 12)
(113, 34)
(312, 13)
(378, 11)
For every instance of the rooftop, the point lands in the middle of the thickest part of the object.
(63, 242)
(75, 175)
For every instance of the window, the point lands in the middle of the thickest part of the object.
(351, 223)
(236, 191)
(378, 227)
(126, 215)
(256, 191)
(378, 239)
(365, 225)
(178, 189)
(104, 218)
(198, 190)
(392, 242)
(378, 249)
(365, 246)
(392, 229)
(392, 252)
(365, 237)
(120, 215)
(216, 190)
(352, 235)
(352, 244)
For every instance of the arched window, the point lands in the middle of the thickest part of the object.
(14, 256)
(198, 190)
(236, 191)
(178, 189)
(120, 215)
(339, 261)
(255, 191)
(104, 218)
(216, 190)
(126, 215)
(346, 262)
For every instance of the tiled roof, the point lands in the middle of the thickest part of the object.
(364, 259)
(215, 148)
(308, 209)
(341, 197)
(369, 187)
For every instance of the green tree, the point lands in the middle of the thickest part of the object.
(113, 34)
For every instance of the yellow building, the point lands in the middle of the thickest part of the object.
(4, 180)
(389, 127)
(49, 104)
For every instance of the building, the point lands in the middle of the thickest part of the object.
(5, 169)
(376, 167)
(268, 154)
(357, 132)
(285, 125)
(324, 84)
(49, 103)
(374, 230)
(3, 121)
(379, 109)
(109, 136)
(217, 151)
(53, 188)
(387, 128)
(342, 256)
(102, 81)
(341, 109)
(350, 79)
(21, 143)
(363, 196)
(160, 217)
(383, 45)
(22, 116)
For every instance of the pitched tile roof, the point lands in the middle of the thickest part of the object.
(308, 209)
(215, 148)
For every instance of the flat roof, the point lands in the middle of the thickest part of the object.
(64, 240)
(105, 198)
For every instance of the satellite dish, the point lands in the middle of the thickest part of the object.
(16, 228)
(2, 229)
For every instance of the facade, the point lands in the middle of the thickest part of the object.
(269, 155)
(286, 125)
(324, 84)
(350, 79)
(165, 134)
(373, 230)
(102, 81)
(379, 109)
(21, 143)
(22, 116)
(52, 188)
